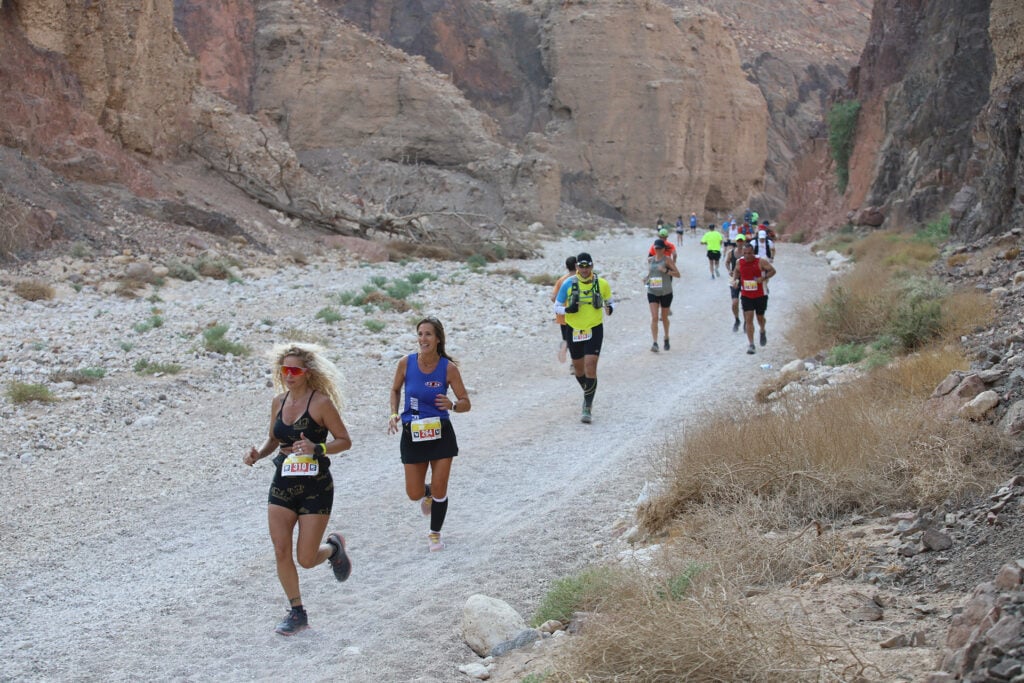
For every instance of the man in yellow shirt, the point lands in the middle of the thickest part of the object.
(584, 298)
(713, 240)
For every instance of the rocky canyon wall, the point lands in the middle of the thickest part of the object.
(940, 86)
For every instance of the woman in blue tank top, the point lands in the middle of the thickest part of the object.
(428, 439)
(305, 428)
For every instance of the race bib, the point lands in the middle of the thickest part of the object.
(296, 465)
(427, 429)
(750, 285)
(581, 335)
(654, 283)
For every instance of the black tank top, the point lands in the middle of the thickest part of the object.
(288, 434)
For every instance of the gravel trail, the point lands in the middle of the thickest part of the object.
(134, 539)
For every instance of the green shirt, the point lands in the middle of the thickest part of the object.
(713, 239)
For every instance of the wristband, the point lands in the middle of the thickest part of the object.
(454, 403)
(394, 415)
(320, 449)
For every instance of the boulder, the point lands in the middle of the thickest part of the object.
(488, 622)
(978, 407)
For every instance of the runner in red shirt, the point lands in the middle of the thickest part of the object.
(752, 273)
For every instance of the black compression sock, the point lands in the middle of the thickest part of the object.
(582, 380)
(589, 389)
(438, 511)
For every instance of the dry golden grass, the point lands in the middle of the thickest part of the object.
(855, 447)
(671, 626)
(766, 392)
(966, 311)
(34, 290)
(958, 259)
(130, 287)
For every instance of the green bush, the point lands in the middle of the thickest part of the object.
(21, 392)
(936, 232)
(573, 594)
(476, 262)
(845, 354)
(420, 277)
(181, 271)
(154, 321)
(214, 340)
(374, 325)
(842, 122)
(144, 367)
(328, 315)
(80, 376)
(917, 322)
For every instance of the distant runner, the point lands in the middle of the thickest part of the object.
(732, 257)
(660, 271)
(713, 240)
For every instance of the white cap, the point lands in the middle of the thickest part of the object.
(761, 234)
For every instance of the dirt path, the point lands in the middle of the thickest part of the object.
(136, 572)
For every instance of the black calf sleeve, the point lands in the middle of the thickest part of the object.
(438, 511)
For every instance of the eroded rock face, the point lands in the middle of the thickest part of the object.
(991, 199)
(135, 73)
(658, 115)
(219, 33)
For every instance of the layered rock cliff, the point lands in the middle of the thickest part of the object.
(357, 116)
(940, 125)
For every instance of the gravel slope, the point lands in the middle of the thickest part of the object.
(135, 542)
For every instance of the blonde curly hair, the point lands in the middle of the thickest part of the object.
(321, 374)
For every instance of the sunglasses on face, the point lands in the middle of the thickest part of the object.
(291, 371)
(584, 265)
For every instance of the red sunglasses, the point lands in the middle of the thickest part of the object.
(293, 371)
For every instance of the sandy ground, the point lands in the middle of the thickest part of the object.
(145, 555)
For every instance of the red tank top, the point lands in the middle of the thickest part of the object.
(749, 272)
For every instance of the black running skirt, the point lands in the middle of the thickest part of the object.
(425, 451)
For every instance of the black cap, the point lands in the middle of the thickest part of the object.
(583, 259)
(659, 244)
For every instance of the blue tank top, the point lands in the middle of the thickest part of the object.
(421, 389)
(288, 434)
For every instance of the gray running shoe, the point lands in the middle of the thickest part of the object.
(340, 563)
(764, 338)
(667, 346)
(750, 349)
(654, 347)
(736, 325)
(296, 620)
(586, 415)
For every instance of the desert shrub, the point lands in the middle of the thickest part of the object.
(144, 366)
(328, 315)
(23, 392)
(420, 277)
(845, 354)
(959, 259)
(214, 340)
(476, 262)
(79, 376)
(935, 232)
(150, 323)
(218, 269)
(916, 322)
(583, 235)
(374, 325)
(544, 279)
(181, 271)
(80, 250)
(853, 447)
(34, 290)
(842, 123)
(712, 634)
(575, 593)
(129, 287)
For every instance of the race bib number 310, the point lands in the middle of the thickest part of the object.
(296, 465)
(428, 429)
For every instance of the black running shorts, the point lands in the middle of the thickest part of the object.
(425, 451)
(303, 495)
